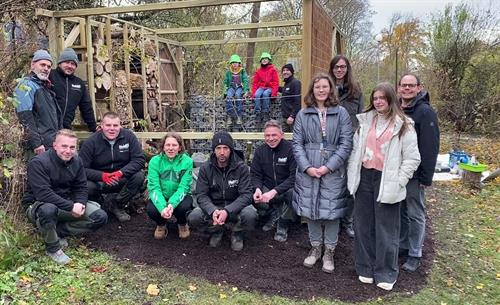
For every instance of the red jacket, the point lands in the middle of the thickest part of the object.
(266, 77)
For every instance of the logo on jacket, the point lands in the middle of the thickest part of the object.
(232, 183)
(287, 89)
(282, 160)
(123, 147)
(76, 86)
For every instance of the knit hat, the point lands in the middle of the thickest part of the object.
(222, 138)
(41, 55)
(266, 55)
(235, 58)
(68, 55)
(289, 67)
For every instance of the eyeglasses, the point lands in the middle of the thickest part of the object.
(341, 67)
(408, 85)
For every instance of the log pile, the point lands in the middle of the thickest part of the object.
(102, 66)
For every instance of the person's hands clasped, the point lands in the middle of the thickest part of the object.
(78, 209)
(317, 172)
(268, 196)
(257, 196)
(219, 217)
(167, 212)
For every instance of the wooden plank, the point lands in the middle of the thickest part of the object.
(109, 43)
(126, 56)
(44, 12)
(51, 30)
(60, 36)
(158, 92)
(180, 76)
(230, 27)
(90, 64)
(145, 80)
(307, 16)
(188, 135)
(83, 37)
(168, 91)
(150, 30)
(240, 40)
(165, 40)
(149, 7)
(72, 36)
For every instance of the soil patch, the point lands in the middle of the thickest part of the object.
(264, 265)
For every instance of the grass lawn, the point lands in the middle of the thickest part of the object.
(466, 269)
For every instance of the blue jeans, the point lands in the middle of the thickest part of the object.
(413, 219)
(234, 100)
(262, 95)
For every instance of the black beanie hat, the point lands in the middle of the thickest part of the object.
(222, 138)
(289, 67)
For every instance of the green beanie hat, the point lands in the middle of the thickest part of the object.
(266, 55)
(235, 58)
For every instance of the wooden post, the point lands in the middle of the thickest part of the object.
(144, 80)
(60, 36)
(52, 36)
(126, 56)
(158, 89)
(307, 19)
(180, 76)
(90, 64)
(109, 44)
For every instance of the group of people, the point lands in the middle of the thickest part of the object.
(361, 170)
(265, 86)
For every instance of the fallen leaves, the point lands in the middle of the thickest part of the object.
(98, 269)
(153, 290)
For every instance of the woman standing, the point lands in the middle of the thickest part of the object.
(351, 98)
(384, 157)
(169, 186)
(322, 139)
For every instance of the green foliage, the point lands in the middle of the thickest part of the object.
(11, 241)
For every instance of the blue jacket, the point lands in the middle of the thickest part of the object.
(37, 111)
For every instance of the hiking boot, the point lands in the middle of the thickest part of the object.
(412, 264)
(184, 231)
(349, 230)
(63, 243)
(238, 121)
(365, 280)
(59, 257)
(120, 214)
(237, 241)
(313, 256)
(328, 263)
(271, 222)
(161, 232)
(215, 239)
(229, 121)
(281, 233)
(386, 286)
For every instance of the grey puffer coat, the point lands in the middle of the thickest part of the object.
(321, 198)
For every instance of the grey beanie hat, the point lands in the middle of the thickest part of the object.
(68, 55)
(41, 55)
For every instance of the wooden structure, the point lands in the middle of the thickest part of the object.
(136, 70)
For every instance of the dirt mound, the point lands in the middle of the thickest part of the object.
(264, 265)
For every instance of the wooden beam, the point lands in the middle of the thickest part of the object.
(126, 56)
(44, 12)
(168, 91)
(164, 40)
(307, 17)
(52, 32)
(240, 40)
(149, 7)
(158, 89)
(109, 43)
(150, 30)
(145, 81)
(72, 36)
(230, 27)
(90, 63)
(188, 135)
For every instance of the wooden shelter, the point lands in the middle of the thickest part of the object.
(137, 71)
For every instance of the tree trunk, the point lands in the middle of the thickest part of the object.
(253, 34)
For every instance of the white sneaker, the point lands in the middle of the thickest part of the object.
(365, 280)
(59, 257)
(386, 286)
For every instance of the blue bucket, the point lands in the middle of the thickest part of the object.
(458, 157)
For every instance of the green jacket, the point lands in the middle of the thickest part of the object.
(228, 78)
(169, 181)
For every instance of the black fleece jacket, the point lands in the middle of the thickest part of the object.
(426, 126)
(99, 155)
(227, 188)
(71, 92)
(274, 168)
(55, 181)
(290, 97)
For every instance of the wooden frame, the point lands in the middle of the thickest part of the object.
(87, 19)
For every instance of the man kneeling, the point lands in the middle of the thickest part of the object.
(224, 194)
(56, 196)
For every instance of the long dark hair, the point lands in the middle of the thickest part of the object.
(393, 102)
(354, 88)
(332, 100)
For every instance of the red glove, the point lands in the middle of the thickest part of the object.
(117, 175)
(108, 178)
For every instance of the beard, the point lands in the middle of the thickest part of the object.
(42, 75)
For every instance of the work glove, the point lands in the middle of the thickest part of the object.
(109, 179)
(117, 175)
